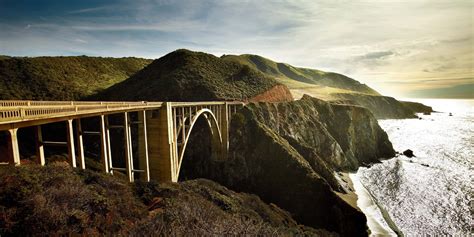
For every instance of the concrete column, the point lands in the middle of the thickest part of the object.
(143, 145)
(103, 145)
(13, 146)
(161, 144)
(80, 144)
(109, 150)
(70, 143)
(39, 146)
(224, 127)
(128, 147)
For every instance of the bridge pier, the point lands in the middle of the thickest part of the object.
(144, 162)
(70, 143)
(13, 146)
(104, 141)
(39, 146)
(128, 147)
(80, 144)
(161, 144)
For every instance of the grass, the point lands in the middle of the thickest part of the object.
(297, 77)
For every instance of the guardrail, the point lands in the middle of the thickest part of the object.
(12, 111)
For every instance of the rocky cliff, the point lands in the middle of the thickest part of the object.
(417, 107)
(289, 153)
(383, 107)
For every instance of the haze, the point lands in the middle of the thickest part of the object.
(401, 48)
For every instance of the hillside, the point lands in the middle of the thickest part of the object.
(58, 200)
(296, 77)
(62, 78)
(185, 75)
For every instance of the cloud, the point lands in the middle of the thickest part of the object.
(89, 10)
(375, 42)
(375, 55)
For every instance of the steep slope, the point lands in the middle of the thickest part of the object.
(185, 75)
(62, 78)
(59, 200)
(383, 107)
(296, 77)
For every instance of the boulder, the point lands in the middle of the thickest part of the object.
(408, 153)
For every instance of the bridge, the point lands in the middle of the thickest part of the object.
(164, 129)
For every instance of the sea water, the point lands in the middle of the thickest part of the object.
(430, 194)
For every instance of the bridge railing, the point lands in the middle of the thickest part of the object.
(11, 111)
(185, 104)
(17, 103)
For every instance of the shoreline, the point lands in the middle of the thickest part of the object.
(378, 221)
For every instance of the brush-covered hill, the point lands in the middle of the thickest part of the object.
(62, 78)
(297, 77)
(330, 86)
(57, 200)
(185, 75)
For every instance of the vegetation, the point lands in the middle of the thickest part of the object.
(59, 200)
(62, 78)
(296, 77)
(185, 75)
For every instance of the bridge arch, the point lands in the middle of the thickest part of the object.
(187, 126)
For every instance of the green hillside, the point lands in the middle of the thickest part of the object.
(62, 78)
(185, 75)
(298, 78)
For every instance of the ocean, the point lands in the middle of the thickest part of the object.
(432, 193)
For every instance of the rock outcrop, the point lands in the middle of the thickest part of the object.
(383, 107)
(417, 107)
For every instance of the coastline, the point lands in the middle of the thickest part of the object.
(378, 220)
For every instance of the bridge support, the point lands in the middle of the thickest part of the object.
(104, 141)
(80, 144)
(144, 162)
(13, 146)
(39, 146)
(70, 143)
(161, 145)
(128, 147)
(224, 118)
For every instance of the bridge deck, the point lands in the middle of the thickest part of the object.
(23, 113)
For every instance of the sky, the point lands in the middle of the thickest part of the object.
(404, 48)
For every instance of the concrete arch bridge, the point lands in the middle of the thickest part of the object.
(163, 133)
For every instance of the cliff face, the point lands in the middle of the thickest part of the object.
(278, 93)
(383, 107)
(351, 132)
(417, 107)
(288, 153)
